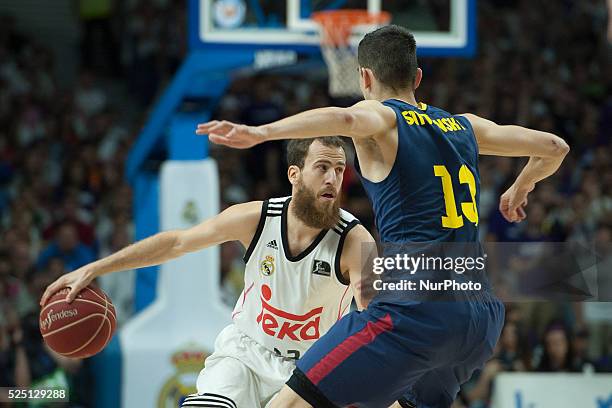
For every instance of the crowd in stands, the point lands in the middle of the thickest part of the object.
(64, 200)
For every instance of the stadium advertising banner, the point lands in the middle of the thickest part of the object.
(515, 390)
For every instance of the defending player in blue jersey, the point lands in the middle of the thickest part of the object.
(419, 167)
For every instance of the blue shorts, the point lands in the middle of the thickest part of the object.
(415, 353)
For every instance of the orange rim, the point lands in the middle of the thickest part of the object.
(338, 24)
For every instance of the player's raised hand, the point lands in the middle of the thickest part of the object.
(76, 281)
(513, 201)
(231, 134)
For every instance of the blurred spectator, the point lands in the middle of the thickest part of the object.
(557, 353)
(71, 211)
(580, 344)
(67, 247)
(13, 289)
(89, 98)
(512, 352)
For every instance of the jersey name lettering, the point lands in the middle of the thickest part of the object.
(448, 124)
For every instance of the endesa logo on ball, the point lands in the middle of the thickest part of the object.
(45, 324)
(278, 323)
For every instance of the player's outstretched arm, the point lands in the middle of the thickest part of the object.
(236, 223)
(545, 151)
(364, 119)
(516, 141)
(356, 263)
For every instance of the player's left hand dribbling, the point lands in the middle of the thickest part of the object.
(75, 281)
(230, 134)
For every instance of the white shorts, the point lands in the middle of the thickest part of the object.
(240, 373)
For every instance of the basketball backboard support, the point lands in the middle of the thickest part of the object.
(441, 27)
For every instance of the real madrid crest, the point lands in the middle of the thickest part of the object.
(188, 362)
(267, 266)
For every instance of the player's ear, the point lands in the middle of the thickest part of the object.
(293, 174)
(418, 77)
(368, 77)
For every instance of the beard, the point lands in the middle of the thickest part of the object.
(312, 212)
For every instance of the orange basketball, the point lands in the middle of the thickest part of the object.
(79, 329)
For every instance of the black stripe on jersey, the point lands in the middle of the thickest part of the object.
(260, 226)
(207, 403)
(278, 201)
(275, 209)
(274, 212)
(341, 226)
(339, 275)
(200, 400)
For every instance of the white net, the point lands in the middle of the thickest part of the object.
(343, 70)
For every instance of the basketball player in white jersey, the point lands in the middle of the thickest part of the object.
(301, 254)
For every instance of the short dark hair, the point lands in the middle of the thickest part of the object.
(390, 52)
(297, 149)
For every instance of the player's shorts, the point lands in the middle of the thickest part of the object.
(240, 373)
(415, 353)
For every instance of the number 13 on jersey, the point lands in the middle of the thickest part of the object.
(453, 219)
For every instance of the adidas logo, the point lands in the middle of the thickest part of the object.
(272, 244)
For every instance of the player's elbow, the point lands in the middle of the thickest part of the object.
(559, 147)
(549, 146)
(565, 149)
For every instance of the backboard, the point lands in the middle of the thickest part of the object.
(441, 27)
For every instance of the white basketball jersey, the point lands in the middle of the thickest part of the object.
(288, 302)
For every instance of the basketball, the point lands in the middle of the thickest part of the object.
(79, 329)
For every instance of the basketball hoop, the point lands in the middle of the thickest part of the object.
(337, 26)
